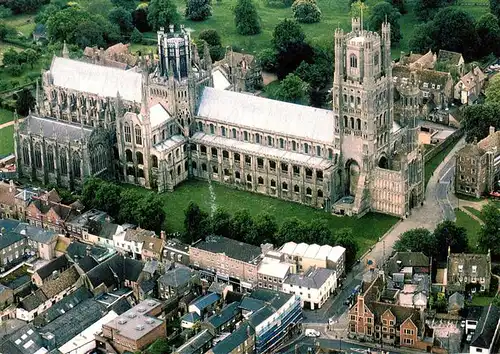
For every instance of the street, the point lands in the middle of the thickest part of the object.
(304, 343)
(443, 188)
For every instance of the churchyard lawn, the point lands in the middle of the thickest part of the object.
(7, 140)
(471, 225)
(366, 230)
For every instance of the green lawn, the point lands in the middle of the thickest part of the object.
(473, 211)
(367, 230)
(7, 140)
(432, 164)
(471, 225)
(22, 23)
(6, 116)
(481, 300)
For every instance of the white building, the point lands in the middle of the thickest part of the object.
(307, 256)
(486, 332)
(272, 272)
(314, 287)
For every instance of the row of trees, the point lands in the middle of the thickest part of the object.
(125, 205)
(263, 229)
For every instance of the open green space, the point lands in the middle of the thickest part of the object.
(7, 140)
(481, 300)
(24, 24)
(6, 116)
(471, 225)
(433, 163)
(5, 47)
(366, 230)
(473, 211)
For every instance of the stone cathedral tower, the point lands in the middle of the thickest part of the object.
(365, 131)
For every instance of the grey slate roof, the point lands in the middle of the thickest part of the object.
(36, 233)
(237, 250)
(8, 224)
(59, 264)
(177, 277)
(407, 259)
(51, 128)
(194, 344)
(226, 314)
(80, 250)
(8, 238)
(115, 270)
(204, 301)
(33, 300)
(233, 340)
(486, 327)
(17, 341)
(191, 317)
(314, 278)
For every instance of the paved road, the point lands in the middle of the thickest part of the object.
(443, 188)
(304, 343)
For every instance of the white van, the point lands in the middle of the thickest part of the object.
(309, 332)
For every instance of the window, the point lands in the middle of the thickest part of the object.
(138, 135)
(257, 138)
(282, 143)
(408, 341)
(294, 145)
(26, 153)
(234, 133)
(236, 157)
(474, 269)
(76, 165)
(284, 167)
(460, 267)
(260, 162)
(212, 129)
(353, 61)
(273, 183)
(318, 150)
(261, 180)
(368, 320)
(245, 135)
(320, 193)
(223, 131)
(284, 186)
(249, 178)
(269, 141)
(353, 317)
(272, 165)
(154, 161)
(50, 158)
(408, 331)
(308, 192)
(296, 189)
(38, 156)
(128, 133)
(237, 175)
(306, 148)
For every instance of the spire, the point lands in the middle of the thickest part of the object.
(65, 51)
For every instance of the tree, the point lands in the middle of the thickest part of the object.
(477, 119)
(5, 12)
(492, 91)
(495, 7)
(136, 36)
(87, 34)
(319, 232)
(293, 89)
(243, 228)
(198, 10)
(246, 18)
(489, 236)
(417, 240)
(25, 6)
(159, 346)
(381, 12)
(125, 4)
(129, 200)
(6, 31)
(449, 234)
(265, 227)
(123, 19)
(31, 57)
(267, 59)
(488, 31)
(289, 42)
(306, 11)
(421, 39)
(345, 238)
(424, 9)
(24, 102)
(399, 5)
(357, 7)
(210, 36)
(11, 57)
(221, 223)
(162, 13)
(140, 18)
(149, 214)
(107, 197)
(292, 229)
(195, 223)
(90, 186)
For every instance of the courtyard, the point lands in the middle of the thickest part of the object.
(366, 230)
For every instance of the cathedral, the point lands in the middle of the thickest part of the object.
(162, 122)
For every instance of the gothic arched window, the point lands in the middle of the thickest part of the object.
(76, 165)
(200, 126)
(128, 155)
(353, 61)
(26, 153)
(63, 162)
(318, 150)
(38, 155)
(154, 160)
(128, 133)
(140, 159)
(138, 135)
(358, 124)
(50, 158)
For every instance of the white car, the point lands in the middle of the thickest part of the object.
(309, 332)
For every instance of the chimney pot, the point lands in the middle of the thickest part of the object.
(492, 130)
(171, 27)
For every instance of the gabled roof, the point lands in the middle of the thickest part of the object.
(234, 249)
(314, 278)
(59, 264)
(36, 234)
(114, 271)
(9, 238)
(191, 317)
(235, 339)
(452, 58)
(205, 301)
(486, 327)
(77, 250)
(407, 259)
(177, 277)
(59, 130)
(33, 300)
(7, 225)
(225, 315)
(267, 115)
(65, 280)
(194, 344)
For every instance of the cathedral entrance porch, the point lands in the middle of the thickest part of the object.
(343, 206)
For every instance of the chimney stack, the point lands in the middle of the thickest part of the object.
(162, 235)
(492, 130)
(88, 250)
(171, 27)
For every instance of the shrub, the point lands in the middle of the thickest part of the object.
(246, 18)
(306, 11)
(136, 36)
(211, 37)
(268, 59)
(198, 10)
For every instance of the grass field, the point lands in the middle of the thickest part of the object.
(24, 24)
(5, 47)
(471, 225)
(6, 116)
(432, 164)
(481, 300)
(7, 140)
(366, 230)
(473, 211)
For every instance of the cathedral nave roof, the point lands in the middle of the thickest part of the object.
(97, 79)
(51, 128)
(261, 150)
(267, 115)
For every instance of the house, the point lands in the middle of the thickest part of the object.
(130, 240)
(306, 256)
(8, 192)
(452, 62)
(23, 199)
(272, 271)
(6, 297)
(468, 269)
(456, 303)
(226, 259)
(372, 319)
(470, 86)
(152, 247)
(477, 170)
(204, 304)
(242, 340)
(13, 247)
(408, 264)
(50, 270)
(198, 344)
(135, 329)
(42, 242)
(474, 314)
(314, 286)
(224, 320)
(237, 72)
(485, 339)
(115, 273)
(77, 251)
(176, 282)
(82, 225)
(176, 251)
(189, 319)
(51, 292)
(40, 34)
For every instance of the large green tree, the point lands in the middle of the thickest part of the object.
(345, 238)
(25, 6)
(140, 18)
(196, 223)
(306, 11)
(417, 240)
(425, 9)
(495, 7)
(24, 102)
(493, 91)
(488, 31)
(421, 39)
(477, 119)
(381, 12)
(319, 232)
(489, 236)
(162, 13)
(198, 10)
(150, 214)
(243, 228)
(291, 229)
(221, 223)
(265, 227)
(293, 89)
(123, 19)
(246, 18)
(450, 235)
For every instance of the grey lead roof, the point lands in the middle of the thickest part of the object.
(52, 128)
(314, 278)
(232, 248)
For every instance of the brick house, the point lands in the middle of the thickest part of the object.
(468, 268)
(372, 320)
(152, 248)
(8, 209)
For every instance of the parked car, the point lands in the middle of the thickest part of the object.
(309, 332)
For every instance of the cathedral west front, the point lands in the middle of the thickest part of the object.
(162, 122)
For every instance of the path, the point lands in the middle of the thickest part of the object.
(8, 124)
(466, 211)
